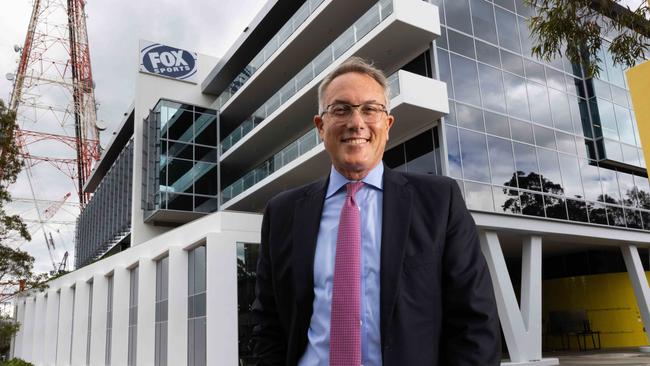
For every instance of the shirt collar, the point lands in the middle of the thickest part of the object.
(374, 178)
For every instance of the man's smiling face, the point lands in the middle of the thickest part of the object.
(354, 145)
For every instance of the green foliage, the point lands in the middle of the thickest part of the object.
(7, 330)
(574, 28)
(16, 362)
(10, 166)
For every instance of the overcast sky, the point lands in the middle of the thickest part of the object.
(114, 28)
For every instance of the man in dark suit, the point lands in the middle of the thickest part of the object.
(383, 272)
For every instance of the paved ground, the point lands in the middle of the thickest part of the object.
(629, 357)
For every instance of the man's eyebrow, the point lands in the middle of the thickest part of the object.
(337, 101)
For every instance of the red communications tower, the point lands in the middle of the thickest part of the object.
(53, 97)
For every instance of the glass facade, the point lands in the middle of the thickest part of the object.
(133, 316)
(106, 219)
(247, 255)
(196, 316)
(179, 159)
(533, 138)
(162, 296)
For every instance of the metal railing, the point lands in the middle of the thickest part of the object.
(373, 17)
(290, 153)
(269, 49)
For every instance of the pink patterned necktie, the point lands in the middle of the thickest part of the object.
(345, 324)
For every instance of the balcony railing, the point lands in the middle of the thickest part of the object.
(349, 38)
(290, 153)
(274, 44)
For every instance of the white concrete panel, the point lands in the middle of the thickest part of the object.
(80, 324)
(39, 325)
(221, 299)
(28, 329)
(98, 320)
(177, 323)
(146, 312)
(639, 282)
(522, 329)
(51, 327)
(65, 326)
(120, 339)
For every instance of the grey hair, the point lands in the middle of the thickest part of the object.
(360, 66)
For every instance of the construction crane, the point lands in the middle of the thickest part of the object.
(49, 212)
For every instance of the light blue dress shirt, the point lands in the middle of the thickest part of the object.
(369, 198)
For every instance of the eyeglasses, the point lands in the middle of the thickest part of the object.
(370, 112)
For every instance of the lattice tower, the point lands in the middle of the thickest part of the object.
(54, 101)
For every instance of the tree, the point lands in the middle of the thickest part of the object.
(10, 166)
(574, 28)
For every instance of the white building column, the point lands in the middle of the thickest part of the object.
(146, 312)
(98, 321)
(65, 326)
(522, 328)
(17, 344)
(28, 329)
(120, 331)
(177, 308)
(639, 282)
(80, 324)
(221, 300)
(51, 327)
(39, 324)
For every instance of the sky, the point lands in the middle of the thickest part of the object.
(114, 30)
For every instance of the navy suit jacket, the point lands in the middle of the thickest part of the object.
(437, 302)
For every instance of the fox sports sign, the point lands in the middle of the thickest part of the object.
(171, 62)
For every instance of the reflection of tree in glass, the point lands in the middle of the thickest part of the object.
(530, 203)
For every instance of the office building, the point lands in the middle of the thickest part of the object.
(549, 162)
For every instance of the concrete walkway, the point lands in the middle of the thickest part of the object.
(603, 358)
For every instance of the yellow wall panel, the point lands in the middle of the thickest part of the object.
(609, 302)
(638, 80)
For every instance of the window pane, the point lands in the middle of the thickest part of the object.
(550, 171)
(483, 20)
(478, 196)
(526, 165)
(560, 110)
(532, 204)
(461, 44)
(555, 207)
(512, 62)
(571, 176)
(497, 124)
(535, 71)
(453, 152)
(465, 79)
(628, 192)
(590, 180)
(445, 71)
(610, 186)
(522, 131)
(507, 28)
(474, 156)
(419, 154)
(625, 125)
(488, 54)
(516, 96)
(539, 107)
(577, 210)
(597, 213)
(565, 143)
(502, 162)
(469, 117)
(544, 137)
(506, 200)
(492, 88)
(457, 12)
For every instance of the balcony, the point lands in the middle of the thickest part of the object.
(391, 33)
(416, 102)
(311, 28)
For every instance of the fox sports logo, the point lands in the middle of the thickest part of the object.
(168, 61)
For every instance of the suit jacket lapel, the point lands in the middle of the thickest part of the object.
(306, 221)
(396, 220)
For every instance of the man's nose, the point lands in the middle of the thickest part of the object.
(356, 119)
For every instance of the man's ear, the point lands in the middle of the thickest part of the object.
(390, 120)
(318, 122)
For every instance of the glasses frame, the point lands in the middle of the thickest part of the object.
(356, 107)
